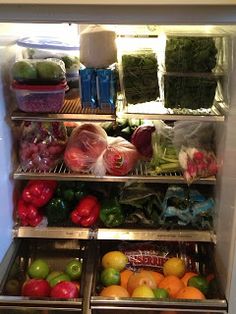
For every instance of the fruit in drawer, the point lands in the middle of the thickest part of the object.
(143, 291)
(65, 290)
(172, 284)
(110, 276)
(114, 259)
(35, 288)
(74, 269)
(187, 276)
(124, 277)
(200, 283)
(38, 269)
(160, 293)
(12, 287)
(55, 277)
(114, 291)
(174, 266)
(190, 293)
(140, 278)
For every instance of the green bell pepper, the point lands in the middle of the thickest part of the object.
(57, 211)
(71, 191)
(111, 213)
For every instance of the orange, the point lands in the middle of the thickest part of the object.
(142, 277)
(172, 284)
(114, 291)
(174, 266)
(187, 276)
(157, 276)
(124, 277)
(190, 293)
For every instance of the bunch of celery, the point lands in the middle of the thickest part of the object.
(165, 156)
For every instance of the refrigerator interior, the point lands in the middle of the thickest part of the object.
(223, 234)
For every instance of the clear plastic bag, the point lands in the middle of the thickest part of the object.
(194, 134)
(165, 155)
(196, 143)
(42, 145)
(89, 149)
(86, 143)
(120, 157)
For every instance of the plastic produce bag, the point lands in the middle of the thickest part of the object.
(120, 157)
(187, 207)
(196, 144)
(85, 145)
(165, 155)
(89, 149)
(42, 145)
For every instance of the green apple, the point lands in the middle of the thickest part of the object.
(38, 269)
(56, 276)
(74, 269)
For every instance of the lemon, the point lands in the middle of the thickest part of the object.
(174, 266)
(114, 259)
(143, 291)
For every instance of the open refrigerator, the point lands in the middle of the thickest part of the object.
(212, 248)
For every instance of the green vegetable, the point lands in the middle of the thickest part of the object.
(165, 156)
(140, 77)
(57, 210)
(71, 191)
(189, 92)
(111, 213)
(190, 54)
(144, 201)
(70, 61)
(23, 70)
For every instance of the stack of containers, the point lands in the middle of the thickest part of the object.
(42, 71)
(191, 72)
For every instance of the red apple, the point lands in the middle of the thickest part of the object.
(36, 288)
(65, 290)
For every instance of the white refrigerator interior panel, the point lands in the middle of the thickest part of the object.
(225, 194)
(6, 190)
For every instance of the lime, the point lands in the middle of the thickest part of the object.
(174, 266)
(200, 283)
(110, 276)
(114, 259)
(160, 293)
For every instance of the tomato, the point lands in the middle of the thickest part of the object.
(55, 277)
(110, 276)
(160, 293)
(38, 269)
(200, 283)
(74, 269)
(36, 288)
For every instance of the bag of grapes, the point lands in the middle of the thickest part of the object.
(41, 145)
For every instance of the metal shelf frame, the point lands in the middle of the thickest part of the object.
(114, 234)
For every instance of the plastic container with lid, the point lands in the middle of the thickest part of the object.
(41, 47)
(39, 98)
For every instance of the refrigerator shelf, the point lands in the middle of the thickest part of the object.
(115, 234)
(140, 174)
(72, 111)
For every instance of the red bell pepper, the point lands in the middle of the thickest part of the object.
(39, 192)
(86, 212)
(28, 214)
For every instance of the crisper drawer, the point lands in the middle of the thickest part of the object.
(15, 272)
(151, 256)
